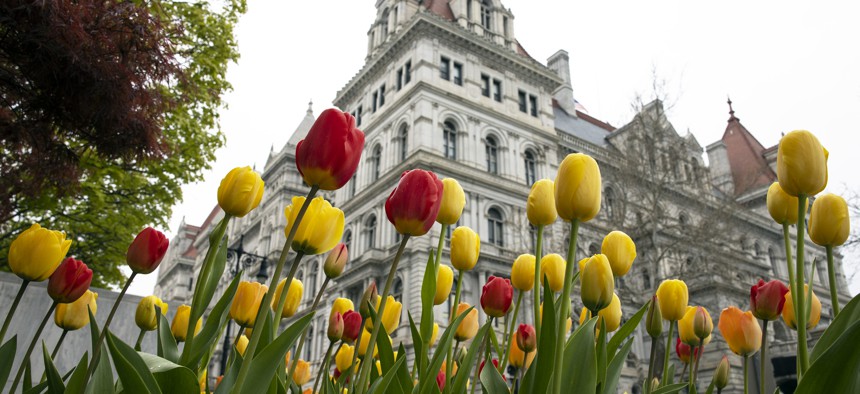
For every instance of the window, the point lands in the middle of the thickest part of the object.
(771, 256)
(532, 104)
(358, 116)
(458, 73)
(445, 68)
(531, 168)
(370, 233)
(402, 141)
(381, 95)
(485, 85)
(522, 101)
(385, 24)
(609, 195)
(352, 186)
(532, 237)
(312, 278)
(354, 293)
(347, 239)
(492, 155)
(486, 14)
(399, 79)
(449, 134)
(397, 293)
(495, 226)
(469, 9)
(310, 344)
(497, 90)
(407, 72)
(375, 98)
(375, 162)
(505, 25)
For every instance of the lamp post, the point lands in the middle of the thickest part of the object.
(242, 259)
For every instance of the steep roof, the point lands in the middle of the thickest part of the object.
(746, 156)
(581, 125)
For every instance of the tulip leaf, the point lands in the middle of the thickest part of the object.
(102, 379)
(382, 384)
(580, 360)
(167, 347)
(267, 360)
(171, 377)
(210, 275)
(601, 353)
(78, 380)
(229, 378)
(132, 370)
(417, 343)
(710, 389)
(7, 358)
(544, 363)
(211, 330)
(386, 353)
(671, 389)
(613, 372)
(403, 376)
(428, 293)
(461, 378)
(846, 317)
(428, 376)
(671, 375)
(492, 381)
(55, 382)
(836, 367)
(626, 330)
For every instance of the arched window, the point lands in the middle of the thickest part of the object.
(774, 263)
(492, 155)
(375, 162)
(609, 196)
(370, 232)
(385, 24)
(495, 226)
(347, 239)
(531, 167)
(486, 14)
(757, 249)
(402, 141)
(449, 137)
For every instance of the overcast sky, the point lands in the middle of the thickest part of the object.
(785, 66)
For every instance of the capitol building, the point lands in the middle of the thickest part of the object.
(447, 87)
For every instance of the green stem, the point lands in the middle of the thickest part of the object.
(538, 282)
(425, 348)
(13, 308)
(831, 273)
(26, 359)
(799, 306)
(273, 284)
(786, 236)
(650, 375)
(485, 344)
(668, 350)
(139, 340)
(746, 375)
(763, 354)
(323, 369)
(353, 371)
(59, 343)
(565, 306)
(442, 232)
(680, 378)
(295, 362)
(232, 355)
(451, 318)
(282, 298)
(692, 377)
(509, 338)
(364, 374)
(98, 347)
(699, 358)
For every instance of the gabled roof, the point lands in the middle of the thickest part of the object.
(746, 157)
(581, 125)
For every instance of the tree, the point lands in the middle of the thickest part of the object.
(104, 169)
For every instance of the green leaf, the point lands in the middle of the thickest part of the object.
(171, 377)
(428, 377)
(212, 270)
(39, 388)
(580, 360)
(417, 344)
(386, 354)
(167, 347)
(671, 389)
(27, 380)
(266, 361)
(671, 375)
(462, 377)
(78, 380)
(601, 353)
(846, 317)
(7, 358)
(132, 371)
(382, 384)
(403, 376)
(544, 363)
(837, 367)
(613, 372)
(625, 330)
(55, 382)
(492, 381)
(102, 379)
(428, 292)
(211, 331)
(711, 386)
(230, 377)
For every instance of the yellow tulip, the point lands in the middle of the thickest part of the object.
(341, 305)
(540, 207)
(740, 330)
(829, 223)
(302, 374)
(801, 164)
(74, 316)
(620, 250)
(444, 281)
(453, 201)
(390, 316)
(577, 188)
(242, 344)
(37, 252)
(673, 297)
(612, 314)
(552, 268)
(598, 285)
(240, 191)
(468, 327)
(518, 358)
(814, 312)
(203, 381)
(343, 357)
(362, 344)
(145, 316)
(434, 335)
(246, 303)
(294, 297)
(781, 206)
(179, 326)
(465, 248)
(321, 228)
(523, 272)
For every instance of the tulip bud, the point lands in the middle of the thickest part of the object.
(179, 326)
(468, 327)
(768, 299)
(69, 282)
(518, 357)
(781, 206)
(620, 250)
(413, 205)
(336, 261)
(146, 316)
(343, 357)
(294, 297)
(829, 223)
(320, 229)
(654, 324)
(814, 312)
(672, 296)
(465, 248)
(302, 374)
(540, 207)
(801, 164)
(341, 305)
(351, 326)
(74, 316)
(444, 282)
(598, 285)
(721, 375)
(246, 303)
(741, 331)
(369, 295)
(695, 326)
(684, 351)
(702, 323)
(240, 191)
(523, 272)
(440, 380)
(526, 338)
(335, 327)
(655, 382)
(242, 344)
(434, 334)
(329, 154)
(146, 251)
(37, 252)
(577, 188)
(496, 296)
(552, 268)
(453, 201)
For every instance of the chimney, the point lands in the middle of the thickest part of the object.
(560, 64)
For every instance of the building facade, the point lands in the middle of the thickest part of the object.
(447, 87)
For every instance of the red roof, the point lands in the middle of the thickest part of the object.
(746, 157)
(441, 8)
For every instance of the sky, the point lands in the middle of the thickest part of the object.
(785, 65)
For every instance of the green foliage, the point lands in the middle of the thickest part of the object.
(846, 318)
(55, 382)
(7, 357)
(266, 361)
(835, 359)
(492, 380)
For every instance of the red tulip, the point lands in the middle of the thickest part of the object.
(335, 327)
(683, 350)
(496, 296)
(351, 326)
(767, 299)
(329, 155)
(481, 368)
(413, 205)
(69, 282)
(146, 251)
(526, 338)
(440, 380)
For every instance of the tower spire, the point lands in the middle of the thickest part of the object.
(731, 110)
(311, 107)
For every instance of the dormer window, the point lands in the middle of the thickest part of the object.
(486, 14)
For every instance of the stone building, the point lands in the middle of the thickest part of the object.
(447, 87)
